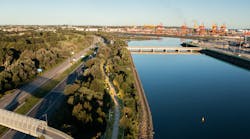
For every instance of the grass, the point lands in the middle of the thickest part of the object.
(3, 130)
(121, 133)
(110, 122)
(7, 92)
(109, 129)
(44, 90)
(121, 129)
(41, 92)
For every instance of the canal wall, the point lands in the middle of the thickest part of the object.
(228, 57)
(146, 122)
(235, 60)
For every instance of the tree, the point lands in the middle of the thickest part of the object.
(71, 89)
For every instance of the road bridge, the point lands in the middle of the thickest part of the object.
(29, 125)
(163, 49)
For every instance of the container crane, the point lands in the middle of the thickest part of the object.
(184, 30)
(196, 28)
(202, 30)
(223, 30)
(214, 29)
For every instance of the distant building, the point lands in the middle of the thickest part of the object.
(92, 29)
(44, 29)
(79, 29)
(14, 29)
(114, 30)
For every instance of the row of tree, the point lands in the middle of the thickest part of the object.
(86, 112)
(22, 55)
(119, 67)
(88, 101)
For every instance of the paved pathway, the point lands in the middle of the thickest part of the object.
(113, 94)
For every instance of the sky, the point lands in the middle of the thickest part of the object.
(233, 13)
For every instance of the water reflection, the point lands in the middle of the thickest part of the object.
(172, 42)
(195, 96)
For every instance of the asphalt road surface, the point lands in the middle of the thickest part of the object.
(51, 101)
(47, 105)
(11, 101)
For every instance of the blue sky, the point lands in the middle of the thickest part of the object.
(234, 13)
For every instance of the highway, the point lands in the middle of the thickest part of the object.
(50, 102)
(11, 101)
(47, 105)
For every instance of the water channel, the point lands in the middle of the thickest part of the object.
(184, 89)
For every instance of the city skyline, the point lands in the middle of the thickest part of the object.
(120, 12)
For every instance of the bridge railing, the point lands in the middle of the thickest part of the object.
(29, 125)
(58, 132)
(21, 123)
(164, 49)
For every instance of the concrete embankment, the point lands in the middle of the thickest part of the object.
(226, 56)
(235, 60)
(146, 123)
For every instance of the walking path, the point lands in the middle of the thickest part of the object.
(113, 94)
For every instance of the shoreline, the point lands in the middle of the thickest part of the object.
(177, 36)
(146, 123)
(229, 57)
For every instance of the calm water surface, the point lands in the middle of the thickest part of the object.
(181, 89)
(161, 42)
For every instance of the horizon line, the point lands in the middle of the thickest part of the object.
(104, 25)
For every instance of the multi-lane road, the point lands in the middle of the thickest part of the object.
(11, 101)
(51, 101)
(47, 105)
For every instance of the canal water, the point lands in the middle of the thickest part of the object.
(184, 89)
(172, 42)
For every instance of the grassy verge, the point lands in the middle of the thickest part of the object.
(41, 92)
(109, 129)
(121, 133)
(7, 92)
(111, 119)
(3, 130)
(110, 122)
(121, 129)
(44, 89)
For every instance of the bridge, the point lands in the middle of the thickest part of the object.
(30, 126)
(163, 49)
